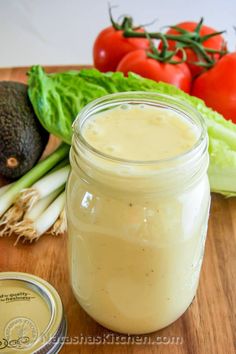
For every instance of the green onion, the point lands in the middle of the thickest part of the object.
(12, 193)
(46, 220)
(12, 209)
(34, 213)
(44, 187)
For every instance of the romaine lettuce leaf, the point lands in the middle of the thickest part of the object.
(222, 168)
(57, 99)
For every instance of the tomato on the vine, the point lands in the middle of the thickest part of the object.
(215, 42)
(139, 63)
(217, 86)
(111, 46)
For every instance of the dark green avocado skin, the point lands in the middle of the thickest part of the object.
(21, 135)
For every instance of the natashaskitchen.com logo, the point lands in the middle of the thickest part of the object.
(20, 334)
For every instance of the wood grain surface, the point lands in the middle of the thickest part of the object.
(208, 326)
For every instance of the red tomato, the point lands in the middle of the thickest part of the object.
(216, 43)
(138, 62)
(217, 87)
(111, 46)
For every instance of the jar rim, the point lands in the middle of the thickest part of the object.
(143, 97)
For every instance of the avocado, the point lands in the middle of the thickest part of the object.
(22, 138)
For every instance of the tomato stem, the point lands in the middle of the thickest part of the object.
(210, 35)
(199, 26)
(126, 24)
(197, 47)
(185, 39)
(164, 55)
(184, 56)
(214, 51)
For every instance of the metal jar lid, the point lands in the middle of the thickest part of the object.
(31, 315)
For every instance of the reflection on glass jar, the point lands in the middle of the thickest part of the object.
(137, 228)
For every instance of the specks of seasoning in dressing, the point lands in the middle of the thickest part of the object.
(147, 274)
(130, 204)
(104, 290)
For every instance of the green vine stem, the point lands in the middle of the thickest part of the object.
(185, 39)
(164, 55)
(198, 48)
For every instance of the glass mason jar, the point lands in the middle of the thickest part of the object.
(136, 229)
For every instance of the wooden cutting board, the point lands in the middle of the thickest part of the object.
(208, 326)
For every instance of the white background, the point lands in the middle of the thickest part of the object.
(62, 31)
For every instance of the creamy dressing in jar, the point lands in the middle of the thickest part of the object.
(139, 132)
(137, 208)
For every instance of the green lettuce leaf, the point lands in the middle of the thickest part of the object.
(58, 98)
(222, 168)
